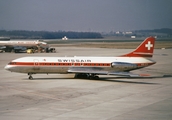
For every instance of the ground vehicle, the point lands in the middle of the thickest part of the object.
(50, 50)
(53, 50)
(29, 51)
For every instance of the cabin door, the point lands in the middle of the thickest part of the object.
(36, 64)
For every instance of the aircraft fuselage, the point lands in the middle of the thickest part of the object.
(64, 64)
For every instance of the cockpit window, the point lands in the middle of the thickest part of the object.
(11, 63)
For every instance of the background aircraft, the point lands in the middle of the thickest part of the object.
(87, 67)
(17, 46)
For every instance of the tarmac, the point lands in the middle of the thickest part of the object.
(61, 97)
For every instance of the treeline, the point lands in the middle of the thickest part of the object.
(24, 34)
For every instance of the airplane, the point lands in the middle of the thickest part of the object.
(16, 46)
(88, 67)
(64, 38)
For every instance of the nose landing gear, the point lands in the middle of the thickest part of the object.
(30, 76)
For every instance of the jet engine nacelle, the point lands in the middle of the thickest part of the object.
(123, 66)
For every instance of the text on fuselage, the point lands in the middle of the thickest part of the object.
(73, 60)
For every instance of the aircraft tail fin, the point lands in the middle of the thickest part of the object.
(145, 49)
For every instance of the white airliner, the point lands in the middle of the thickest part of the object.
(87, 67)
(19, 45)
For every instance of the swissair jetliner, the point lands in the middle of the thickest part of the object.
(88, 67)
(16, 46)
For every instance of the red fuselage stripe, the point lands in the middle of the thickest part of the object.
(58, 64)
(68, 64)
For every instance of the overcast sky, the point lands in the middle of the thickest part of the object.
(85, 15)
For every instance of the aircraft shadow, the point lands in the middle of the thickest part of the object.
(109, 79)
(123, 80)
(116, 79)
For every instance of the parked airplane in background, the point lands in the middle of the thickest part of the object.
(64, 38)
(16, 46)
(87, 67)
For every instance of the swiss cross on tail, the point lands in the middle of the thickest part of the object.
(149, 45)
(145, 49)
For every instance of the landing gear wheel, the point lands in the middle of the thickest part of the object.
(94, 77)
(30, 77)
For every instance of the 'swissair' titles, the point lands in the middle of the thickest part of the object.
(73, 60)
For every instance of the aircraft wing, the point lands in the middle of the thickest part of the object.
(87, 70)
(98, 71)
(124, 74)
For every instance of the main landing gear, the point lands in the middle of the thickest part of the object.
(86, 76)
(30, 76)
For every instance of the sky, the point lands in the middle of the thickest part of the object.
(85, 15)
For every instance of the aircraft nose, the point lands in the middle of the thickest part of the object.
(7, 67)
